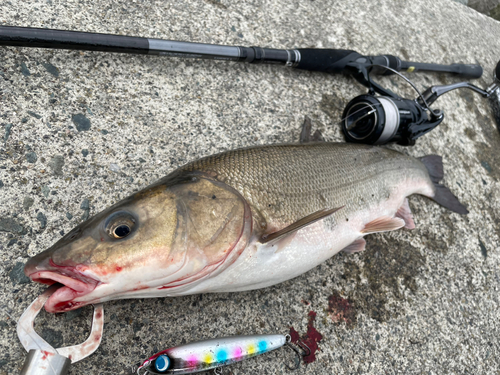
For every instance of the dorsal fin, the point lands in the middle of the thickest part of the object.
(305, 134)
(305, 221)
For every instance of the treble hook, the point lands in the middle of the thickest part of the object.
(141, 366)
(305, 352)
(304, 347)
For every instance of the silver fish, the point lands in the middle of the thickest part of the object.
(238, 220)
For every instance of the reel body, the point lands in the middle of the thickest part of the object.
(379, 120)
(387, 118)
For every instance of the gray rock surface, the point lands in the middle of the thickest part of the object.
(483, 6)
(17, 275)
(416, 302)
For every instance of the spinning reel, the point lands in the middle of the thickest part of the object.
(385, 118)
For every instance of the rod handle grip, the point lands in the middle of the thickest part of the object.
(326, 60)
(468, 70)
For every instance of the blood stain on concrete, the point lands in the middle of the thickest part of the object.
(310, 339)
(341, 310)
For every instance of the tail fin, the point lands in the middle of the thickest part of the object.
(443, 196)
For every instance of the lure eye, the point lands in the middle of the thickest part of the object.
(162, 363)
(120, 224)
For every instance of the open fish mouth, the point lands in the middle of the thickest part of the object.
(74, 285)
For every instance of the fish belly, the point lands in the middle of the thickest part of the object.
(263, 265)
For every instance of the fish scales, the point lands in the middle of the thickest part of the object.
(285, 183)
(238, 220)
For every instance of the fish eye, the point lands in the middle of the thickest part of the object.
(120, 224)
(121, 231)
(162, 363)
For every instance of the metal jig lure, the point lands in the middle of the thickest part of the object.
(214, 353)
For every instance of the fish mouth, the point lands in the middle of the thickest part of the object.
(74, 285)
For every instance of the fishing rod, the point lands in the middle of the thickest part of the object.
(333, 61)
(367, 118)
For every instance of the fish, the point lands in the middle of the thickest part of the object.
(239, 220)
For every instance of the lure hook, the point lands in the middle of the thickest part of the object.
(141, 366)
(300, 354)
(304, 347)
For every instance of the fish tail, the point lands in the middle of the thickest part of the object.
(442, 195)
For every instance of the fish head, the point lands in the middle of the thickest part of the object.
(160, 240)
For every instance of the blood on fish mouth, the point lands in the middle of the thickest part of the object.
(74, 285)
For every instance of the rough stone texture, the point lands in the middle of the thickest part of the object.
(17, 275)
(56, 164)
(483, 6)
(28, 202)
(495, 13)
(10, 225)
(488, 7)
(416, 302)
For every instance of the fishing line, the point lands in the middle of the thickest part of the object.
(426, 106)
(358, 111)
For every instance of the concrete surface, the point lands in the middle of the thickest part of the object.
(80, 130)
(489, 7)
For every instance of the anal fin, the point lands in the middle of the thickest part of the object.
(383, 224)
(404, 212)
(305, 221)
(355, 247)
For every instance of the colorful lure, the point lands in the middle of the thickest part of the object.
(209, 354)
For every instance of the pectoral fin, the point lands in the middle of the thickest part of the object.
(305, 221)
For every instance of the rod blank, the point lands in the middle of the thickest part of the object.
(324, 60)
